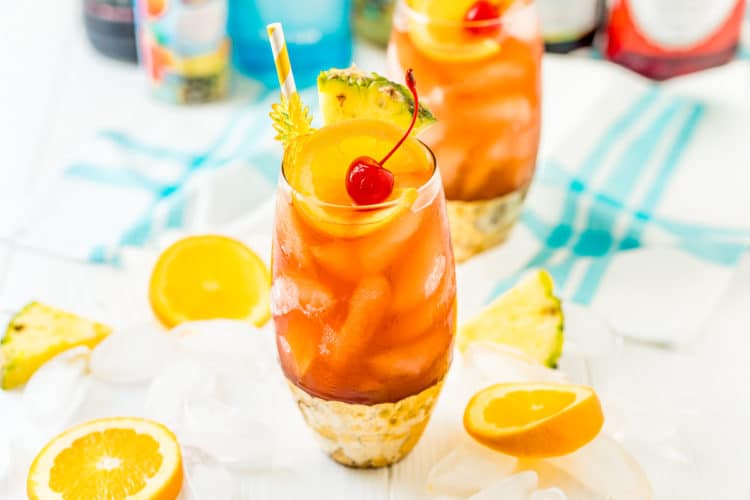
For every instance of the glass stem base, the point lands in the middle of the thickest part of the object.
(367, 436)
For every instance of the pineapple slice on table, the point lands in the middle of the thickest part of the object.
(528, 317)
(38, 333)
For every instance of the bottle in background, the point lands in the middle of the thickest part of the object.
(665, 38)
(569, 24)
(110, 28)
(184, 48)
(318, 35)
(372, 20)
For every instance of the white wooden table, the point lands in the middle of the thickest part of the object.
(55, 91)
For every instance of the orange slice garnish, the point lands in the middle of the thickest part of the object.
(534, 420)
(355, 224)
(127, 458)
(316, 168)
(436, 29)
(210, 277)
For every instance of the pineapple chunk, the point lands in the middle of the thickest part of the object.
(36, 334)
(351, 93)
(528, 317)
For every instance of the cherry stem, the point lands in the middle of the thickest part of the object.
(411, 83)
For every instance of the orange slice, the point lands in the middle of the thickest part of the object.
(209, 277)
(535, 420)
(437, 31)
(341, 224)
(316, 167)
(125, 458)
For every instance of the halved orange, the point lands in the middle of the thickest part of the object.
(210, 277)
(534, 420)
(125, 458)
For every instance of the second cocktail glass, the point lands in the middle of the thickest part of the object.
(481, 79)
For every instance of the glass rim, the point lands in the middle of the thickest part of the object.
(423, 18)
(434, 178)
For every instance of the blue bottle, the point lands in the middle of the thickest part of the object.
(318, 36)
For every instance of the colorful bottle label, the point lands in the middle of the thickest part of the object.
(680, 23)
(184, 47)
(665, 38)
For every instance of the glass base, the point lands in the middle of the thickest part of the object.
(367, 436)
(479, 225)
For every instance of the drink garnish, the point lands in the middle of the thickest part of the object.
(368, 182)
(528, 317)
(351, 93)
(291, 119)
(482, 10)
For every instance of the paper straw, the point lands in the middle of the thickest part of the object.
(281, 59)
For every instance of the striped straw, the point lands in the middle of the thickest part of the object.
(281, 59)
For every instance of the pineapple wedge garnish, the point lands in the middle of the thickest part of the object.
(38, 333)
(346, 94)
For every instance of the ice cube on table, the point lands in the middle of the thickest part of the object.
(205, 480)
(486, 363)
(131, 355)
(549, 494)
(57, 389)
(227, 434)
(607, 469)
(468, 469)
(551, 477)
(170, 390)
(587, 334)
(226, 345)
(515, 487)
(255, 398)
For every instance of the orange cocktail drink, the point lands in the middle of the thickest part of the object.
(479, 72)
(363, 294)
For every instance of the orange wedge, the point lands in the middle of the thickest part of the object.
(355, 224)
(316, 168)
(436, 29)
(535, 420)
(124, 458)
(209, 277)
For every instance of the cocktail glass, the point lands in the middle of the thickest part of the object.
(363, 296)
(481, 79)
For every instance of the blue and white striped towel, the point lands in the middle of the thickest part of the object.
(642, 212)
(124, 191)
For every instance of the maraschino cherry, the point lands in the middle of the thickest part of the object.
(482, 10)
(367, 181)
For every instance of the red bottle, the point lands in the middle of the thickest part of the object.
(665, 38)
